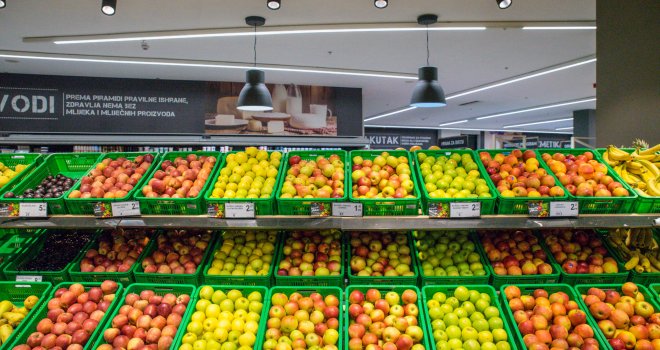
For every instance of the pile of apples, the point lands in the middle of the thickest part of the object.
(177, 252)
(304, 322)
(448, 253)
(117, 251)
(181, 178)
(386, 176)
(387, 322)
(380, 254)
(113, 178)
(583, 176)
(520, 175)
(466, 319)
(319, 178)
(244, 253)
(223, 320)
(550, 321)
(626, 319)
(311, 253)
(249, 174)
(580, 251)
(515, 253)
(146, 321)
(73, 315)
(456, 176)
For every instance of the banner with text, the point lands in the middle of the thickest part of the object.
(381, 138)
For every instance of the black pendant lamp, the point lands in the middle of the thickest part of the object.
(428, 92)
(254, 96)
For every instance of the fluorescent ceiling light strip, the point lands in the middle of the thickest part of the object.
(203, 65)
(530, 75)
(538, 123)
(389, 114)
(100, 39)
(538, 108)
(559, 28)
(565, 128)
(456, 122)
(464, 129)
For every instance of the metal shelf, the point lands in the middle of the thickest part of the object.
(392, 223)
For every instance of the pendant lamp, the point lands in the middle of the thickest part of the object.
(428, 92)
(255, 96)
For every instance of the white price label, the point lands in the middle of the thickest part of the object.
(239, 211)
(347, 209)
(465, 210)
(656, 222)
(20, 278)
(564, 209)
(121, 209)
(33, 210)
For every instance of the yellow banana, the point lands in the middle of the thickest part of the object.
(651, 150)
(650, 167)
(607, 160)
(652, 188)
(647, 176)
(645, 157)
(5, 332)
(630, 264)
(633, 164)
(617, 154)
(630, 179)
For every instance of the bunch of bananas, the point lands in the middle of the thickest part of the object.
(638, 169)
(12, 315)
(638, 246)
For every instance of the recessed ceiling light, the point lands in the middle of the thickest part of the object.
(390, 113)
(380, 4)
(463, 129)
(565, 128)
(537, 123)
(273, 4)
(109, 7)
(456, 122)
(503, 4)
(590, 99)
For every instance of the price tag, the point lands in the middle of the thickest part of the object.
(239, 210)
(122, 209)
(656, 222)
(319, 210)
(33, 210)
(347, 209)
(465, 210)
(20, 278)
(538, 209)
(563, 209)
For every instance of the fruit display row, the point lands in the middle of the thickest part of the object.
(504, 181)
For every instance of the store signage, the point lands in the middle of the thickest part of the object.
(347, 209)
(564, 209)
(235, 210)
(124, 209)
(539, 141)
(463, 141)
(395, 138)
(33, 210)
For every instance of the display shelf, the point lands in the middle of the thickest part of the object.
(392, 223)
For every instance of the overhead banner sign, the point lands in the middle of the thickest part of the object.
(395, 138)
(37, 103)
(463, 141)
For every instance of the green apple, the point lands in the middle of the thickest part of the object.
(469, 333)
(471, 344)
(495, 323)
(488, 346)
(491, 312)
(455, 343)
(474, 296)
(450, 319)
(443, 345)
(485, 336)
(502, 345)
(439, 334)
(468, 307)
(499, 335)
(481, 325)
(453, 302)
(438, 324)
(464, 322)
(453, 332)
(477, 316)
(481, 305)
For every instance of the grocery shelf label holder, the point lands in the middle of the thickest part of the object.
(232, 210)
(454, 210)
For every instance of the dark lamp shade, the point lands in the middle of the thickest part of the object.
(255, 95)
(428, 92)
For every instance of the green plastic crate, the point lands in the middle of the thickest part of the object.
(234, 280)
(453, 280)
(302, 206)
(519, 205)
(306, 291)
(12, 245)
(73, 165)
(582, 289)
(16, 292)
(31, 327)
(644, 278)
(427, 294)
(262, 206)
(142, 277)
(655, 289)
(644, 203)
(245, 290)
(309, 281)
(587, 278)
(11, 269)
(399, 289)
(383, 280)
(528, 289)
(499, 280)
(124, 277)
(161, 289)
(596, 205)
(10, 160)
(487, 204)
(85, 206)
(386, 206)
(176, 206)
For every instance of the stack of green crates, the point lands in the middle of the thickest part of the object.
(384, 280)
(12, 244)
(11, 160)
(644, 278)
(387, 206)
(72, 165)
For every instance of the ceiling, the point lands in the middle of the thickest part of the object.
(466, 59)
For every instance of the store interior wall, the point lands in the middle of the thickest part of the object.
(628, 86)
